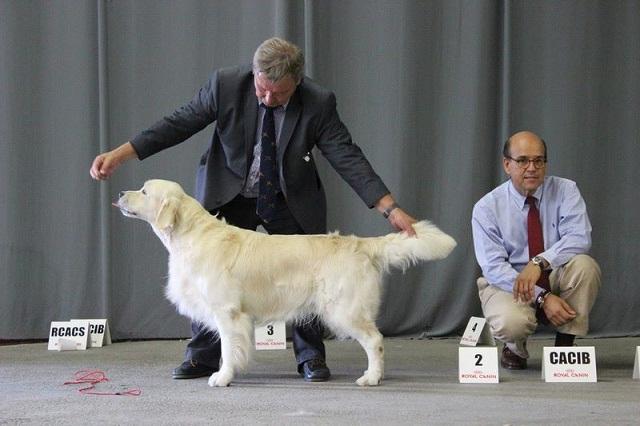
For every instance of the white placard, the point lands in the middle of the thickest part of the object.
(477, 331)
(99, 334)
(272, 335)
(68, 336)
(478, 365)
(569, 364)
(636, 364)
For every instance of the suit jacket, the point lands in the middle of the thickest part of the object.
(311, 121)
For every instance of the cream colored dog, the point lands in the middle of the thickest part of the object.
(229, 278)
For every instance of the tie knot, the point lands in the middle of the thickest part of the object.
(269, 108)
(531, 200)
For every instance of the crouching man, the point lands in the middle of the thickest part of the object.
(531, 237)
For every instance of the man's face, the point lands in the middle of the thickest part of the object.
(274, 94)
(525, 146)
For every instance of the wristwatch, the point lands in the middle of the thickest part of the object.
(387, 212)
(539, 262)
(541, 298)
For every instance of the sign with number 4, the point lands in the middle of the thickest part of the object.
(477, 332)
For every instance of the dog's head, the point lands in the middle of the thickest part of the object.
(156, 203)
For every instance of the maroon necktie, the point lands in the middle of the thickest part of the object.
(536, 241)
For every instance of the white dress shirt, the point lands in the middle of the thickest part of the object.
(250, 189)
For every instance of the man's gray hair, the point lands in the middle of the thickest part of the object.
(276, 58)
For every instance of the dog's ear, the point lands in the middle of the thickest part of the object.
(166, 216)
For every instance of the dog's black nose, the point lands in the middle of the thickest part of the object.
(121, 194)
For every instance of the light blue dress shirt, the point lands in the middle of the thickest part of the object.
(499, 224)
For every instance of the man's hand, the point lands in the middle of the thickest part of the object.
(557, 310)
(524, 287)
(398, 218)
(401, 221)
(105, 164)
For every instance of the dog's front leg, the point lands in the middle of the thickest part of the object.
(234, 328)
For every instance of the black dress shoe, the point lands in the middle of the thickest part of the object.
(511, 361)
(315, 370)
(191, 369)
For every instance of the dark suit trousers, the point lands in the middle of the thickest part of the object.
(204, 346)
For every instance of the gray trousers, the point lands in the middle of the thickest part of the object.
(511, 322)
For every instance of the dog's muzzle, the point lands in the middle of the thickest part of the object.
(123, 209)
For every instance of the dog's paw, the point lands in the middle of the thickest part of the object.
(220, 379)
(369, 379)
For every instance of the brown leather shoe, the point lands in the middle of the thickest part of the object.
(511, 361)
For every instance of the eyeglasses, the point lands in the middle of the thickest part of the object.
(523, 162)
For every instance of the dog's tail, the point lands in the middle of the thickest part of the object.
(401, 251)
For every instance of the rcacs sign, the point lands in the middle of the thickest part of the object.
(68, 335)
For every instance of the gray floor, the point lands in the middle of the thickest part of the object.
(420, 387)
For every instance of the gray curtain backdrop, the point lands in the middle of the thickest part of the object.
(429, 90)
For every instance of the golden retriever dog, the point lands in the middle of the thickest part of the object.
(230, 278)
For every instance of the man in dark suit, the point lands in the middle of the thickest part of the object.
(270, 99)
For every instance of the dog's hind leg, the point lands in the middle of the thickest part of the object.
(371, 340)
(367, 334)
(235, 329)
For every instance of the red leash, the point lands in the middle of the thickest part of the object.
(92, 378)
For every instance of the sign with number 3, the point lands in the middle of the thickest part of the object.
(272, 335)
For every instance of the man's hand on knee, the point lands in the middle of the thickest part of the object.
(557, 310)
(524, 287)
